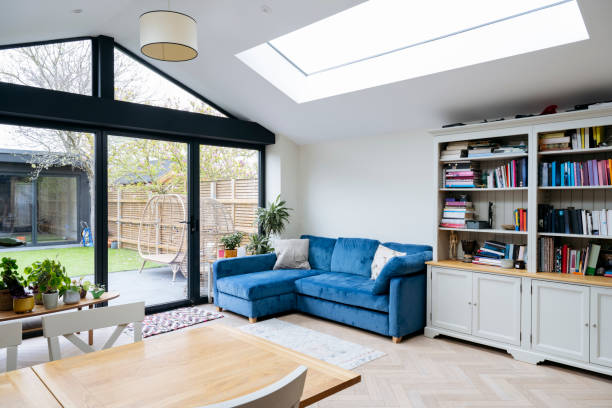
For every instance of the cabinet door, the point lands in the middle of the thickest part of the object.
(560, 319)
(451, 306)
(601, 326)
(496, 303)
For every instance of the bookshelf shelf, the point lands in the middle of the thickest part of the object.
(486, 158)
(558, 234)
(487, 189)
(486, 231)
(575, 151)
(576, 188)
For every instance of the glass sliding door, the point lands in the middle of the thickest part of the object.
(57, 210)
(147, 220)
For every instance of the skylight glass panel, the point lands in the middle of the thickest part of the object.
(384, 41)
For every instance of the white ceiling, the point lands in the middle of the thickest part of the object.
(567, 75)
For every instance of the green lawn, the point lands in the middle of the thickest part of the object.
(79, 261)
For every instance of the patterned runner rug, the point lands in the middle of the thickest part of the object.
(318, 345)
(173, 320)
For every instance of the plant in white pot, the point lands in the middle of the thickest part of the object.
(54, 281)
(72, 293)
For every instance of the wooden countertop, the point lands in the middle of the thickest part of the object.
(558, 277)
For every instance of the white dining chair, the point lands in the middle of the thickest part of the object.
(67, 324)
(10, 338)
(285, 393)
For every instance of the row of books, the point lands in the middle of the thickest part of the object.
(520, 219)
(462, 175)
(512, 174)
(481, 148)
(492, 252)
(565, 259)
(456, 212)
(574, 139)
(586, 173)
(574, 221)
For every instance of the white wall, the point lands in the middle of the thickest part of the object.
(281, 178)
(375, 187)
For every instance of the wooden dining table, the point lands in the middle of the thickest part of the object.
(187, 368)
(23, 389)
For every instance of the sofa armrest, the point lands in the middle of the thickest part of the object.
(407, 304)
(400, 266)
(223, 268)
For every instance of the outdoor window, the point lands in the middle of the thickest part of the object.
(62, 66)
(16, 207)
(134, 82)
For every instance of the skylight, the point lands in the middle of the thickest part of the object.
(384, 41)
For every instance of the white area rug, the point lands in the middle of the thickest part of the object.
(318, 345)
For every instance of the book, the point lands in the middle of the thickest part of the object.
(593, 258)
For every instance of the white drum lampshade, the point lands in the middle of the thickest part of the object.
(168, 36)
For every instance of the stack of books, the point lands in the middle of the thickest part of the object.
(565, 259)
(456, 212)
(520, 219)
(462, 175)
(492, 252)
(575, 139)
(512, 174)
(574, 221)
(567, 174)
(482, 148)
(455, 150)
(512, 147)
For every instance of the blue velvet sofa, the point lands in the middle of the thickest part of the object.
(338, 287)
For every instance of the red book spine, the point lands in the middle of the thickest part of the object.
(564, 260)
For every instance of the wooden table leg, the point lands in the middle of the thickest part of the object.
(91, 331)
(79, 308)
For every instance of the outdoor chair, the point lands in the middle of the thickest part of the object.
(67, 324)
(10, 338)
(285, 393)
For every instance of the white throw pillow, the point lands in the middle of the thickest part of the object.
(381, 257)
(291, 254)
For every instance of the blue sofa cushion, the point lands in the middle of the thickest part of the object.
(259, 285)
(399, 266)
(346, 288)
(354, 255)
(320, 251)
(408, 249)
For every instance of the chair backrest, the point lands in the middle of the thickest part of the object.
(285, 393)
(10, 338)
(67, 324)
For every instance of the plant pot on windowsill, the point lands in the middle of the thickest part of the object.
(6, 300)
(23, 304)
(50, 299)
(72, 297)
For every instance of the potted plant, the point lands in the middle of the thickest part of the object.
(52, 281)
(259, 244)
(272, 220)
(35, 275)
(231, 242)
(84, 287)
(72, 294)
(23, 301)
(97, 291)
(6, 300)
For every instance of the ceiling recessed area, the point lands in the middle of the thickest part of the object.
(382, 41)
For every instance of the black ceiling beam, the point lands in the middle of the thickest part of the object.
(81, 110)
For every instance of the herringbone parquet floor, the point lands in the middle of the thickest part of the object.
(422, 372)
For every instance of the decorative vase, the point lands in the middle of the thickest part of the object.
(6, 300)
(231, 253)
(38, 298)
(97, 293)
(50, 300)
(83, 293)
(72, 296)
(23, 305)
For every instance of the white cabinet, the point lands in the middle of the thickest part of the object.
(496, 302)
(560, 319)
(480, 304)
(452, 300)
(601, 326)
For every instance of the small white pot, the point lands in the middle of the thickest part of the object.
(50, 300)
(71, 297)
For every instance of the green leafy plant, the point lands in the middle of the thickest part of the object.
(97, 291)
(232, 241)
(11, 278)
(259, 244)
(48, 276)
(273, 219)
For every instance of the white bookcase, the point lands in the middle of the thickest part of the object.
(520, 310)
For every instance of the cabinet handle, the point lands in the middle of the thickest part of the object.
(586, 324)
(475, 303)
(594, 325)
(469, 303)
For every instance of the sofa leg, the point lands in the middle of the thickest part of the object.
(252, 320)
(219, 309)
(396, 340)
